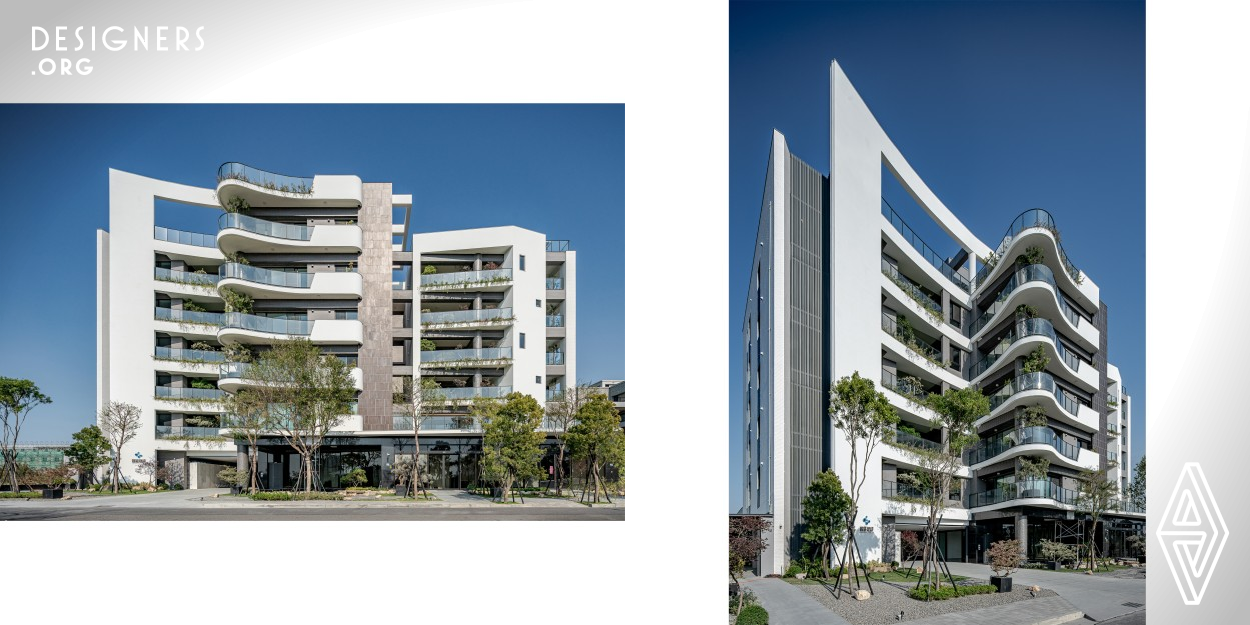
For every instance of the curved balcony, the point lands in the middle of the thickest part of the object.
(485, 280)
(241, 233)
(1016, 343)
(926, 252)
(245, 328)
(1035, 285)
(1027, 387)
(1037, 227)
(1029, 441)
(190, 246)
(265, 188)
(484, 318)
(272, 284)
(234, 377)
(485, 357)
(1025, 492)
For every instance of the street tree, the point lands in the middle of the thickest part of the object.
(248, 418)
(511, 442)
(865, 417)
(825, 516)
(746, 541)
(1137, 490)
(561, 416)
(598, 439)
(17, 398)
(417, 401)
(89, 451)
(1095, 495)
(306, 394)
(119, 422)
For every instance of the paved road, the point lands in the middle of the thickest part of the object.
(1136, 618)
(1099, 597)
(787, 605)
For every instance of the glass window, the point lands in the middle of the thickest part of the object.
(538, 379)
(522, 340)
(538, 303)
(522, 262)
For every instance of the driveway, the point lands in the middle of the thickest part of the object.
(1100, 597)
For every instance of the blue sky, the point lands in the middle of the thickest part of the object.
(556, 169)
(999, 107)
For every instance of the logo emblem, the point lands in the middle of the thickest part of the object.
(1192, 533)
(866, 520)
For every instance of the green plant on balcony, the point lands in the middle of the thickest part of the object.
(201, 421)
(203, 347)
(191, 306)
(1033, 416)
(236, 301)
(464, 284)
(236, 204)
(1026, 311)
(1030, 469)
(991, 260)
(201, 383)
(914, 292)
(428, 269)
(911, 387)
(1036, 361)
(238, 353)
(1112, 402)
(238, 258)
(1032, 255)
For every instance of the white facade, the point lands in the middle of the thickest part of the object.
(842, 285)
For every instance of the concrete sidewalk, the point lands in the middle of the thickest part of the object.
(1040, 611)
(788, 605)
(220, 498)
(1099, 597)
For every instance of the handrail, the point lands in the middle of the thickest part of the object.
(266, 179)
(1040, 381)
(272, 325)
(294, 232)
(185, 277)
(919, 245)
(452, 355)
(486, 276)
(986, 449)
(161, 233)
(260, 275)
(1023, 489)
(188, 355)
(1023, 275)
(927, 351)
(467, 316)
(189, 316)
(1023, 329)
(558, 246)
(1032, 218)
(912, 288)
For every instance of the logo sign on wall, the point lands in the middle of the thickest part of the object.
(1192, 533)
(865, 527)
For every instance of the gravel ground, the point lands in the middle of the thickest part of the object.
(884, 606)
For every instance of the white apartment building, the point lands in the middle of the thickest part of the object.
(841, 284)
(334, 260)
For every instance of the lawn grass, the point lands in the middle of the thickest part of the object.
(897, 575)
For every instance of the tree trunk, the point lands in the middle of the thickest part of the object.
(415, 475)
(560, 476)
(598, 484)
(308, 476)
(252, 460)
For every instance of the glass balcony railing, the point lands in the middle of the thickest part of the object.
(188, 316)
(185, 238)
(459, 355)
(988, 448)
(555, 358)
(919, 245)
(167, 392)
(1023, 489)
(1025, 328)
(466, 316)
(555, 284)
(272, 325)
(186, 277)
(911, 440)
(266, 179)
(903, 386)
(1127, 506)
(469, 392)
(911, 288)
(928, 352)
(554, 394)
(466, 278)
(1023, 275)
(189, 355)
(555, 321)
(462, 424)
(897, 490)
(1032, 218)
(179, 431)
(557, 246)
(293, 279)
(294, 232)
(233, 369)
(1040, 381)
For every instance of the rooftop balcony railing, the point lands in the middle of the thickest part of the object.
(1025, 328)
(188, 316)
(911, 288)
(555, 284)
(167, 392)
(294, 232)
(1040, 381)
(555, 321)
(1032, 218)
(469, 392)
(1023, 489)
(466, 278)
(181, 432)
(272, 325)
(557, 246)
(919, 245)
(1023, 275)
(988, 448)
(555, 358)
(265, 179)
(466, 316)
(185, 238)
(260, 275)
(457, 355)
(185, 277)
(189, 355)
(911, 440)
(928, 352)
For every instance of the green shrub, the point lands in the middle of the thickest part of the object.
(753, 615)
(794, 569)
(282, 495)
(949, 592)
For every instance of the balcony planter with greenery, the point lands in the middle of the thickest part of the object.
(1005, 558)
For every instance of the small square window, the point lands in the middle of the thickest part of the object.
(522, 340)
(522, 262)
(538, 303)
(538, 379)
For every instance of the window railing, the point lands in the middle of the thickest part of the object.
(185, 238)
(928, 352)
(1040, 381)
(265, 179)
(555, 358)
(555, 284)
(185, 277)
(919, 245)
(555, 321)
(1032, 218)
(911, 288)
(557, 246)
(189, 355)
(294, 232)
(167, 392)
(272, 325)
(453, 355)
(180, 431)
(260, 275)
(467, 316)
(1023, 329)
(466, 278)
(988, 448)
(188, 316)
(1023, 275)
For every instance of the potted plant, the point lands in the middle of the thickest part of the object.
(1055, 552)
(1005, 558)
